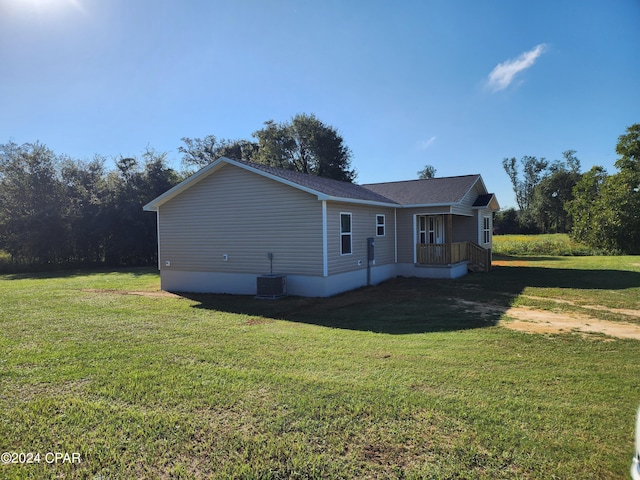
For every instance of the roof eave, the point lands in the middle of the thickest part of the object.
(492, 200)
(478, 179)
(154, 204)
(275, 177)
(429, 205)
(358, 201)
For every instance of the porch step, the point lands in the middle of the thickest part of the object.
(480, 258)
(476, 268)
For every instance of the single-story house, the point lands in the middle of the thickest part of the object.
(234, 221)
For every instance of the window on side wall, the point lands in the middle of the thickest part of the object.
(486, 229)
(345, 234)
(379, 225)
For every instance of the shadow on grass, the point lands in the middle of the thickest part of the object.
(411, 305)
(514, 279)
(398, 306)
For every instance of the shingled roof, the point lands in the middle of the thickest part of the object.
(483, 200)
(327, 186)
(433, 191)
(437, 191)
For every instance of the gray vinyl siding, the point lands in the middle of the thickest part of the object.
(471, 196)
(481, 214)
(243, 215)
(466, 204)
(363, 226)
(465, 229)
(406, 240)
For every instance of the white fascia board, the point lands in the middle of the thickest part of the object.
(446, 211)
(321, 196)
(275, 177)
(484, 187)
(358, 201)
(201, 174)
(153, 205)
(479, 179)
(429, 205)
(494, 200)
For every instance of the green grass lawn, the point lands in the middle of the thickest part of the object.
(393, 381)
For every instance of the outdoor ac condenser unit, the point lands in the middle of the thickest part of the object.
(272, 286)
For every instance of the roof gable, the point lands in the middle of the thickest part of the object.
(433, 191)
(488, 201)
(335, 189)
(323, 188)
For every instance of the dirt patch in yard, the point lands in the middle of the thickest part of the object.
(531, 320)
(155, 293)
(542, 321)
(622, 311)
(510, 263)
(400, 290)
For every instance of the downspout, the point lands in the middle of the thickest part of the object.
(158, 230)
(325, 255)
(415, 239)
(395, 235)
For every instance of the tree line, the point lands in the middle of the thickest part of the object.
(59, 211)
(599, 209)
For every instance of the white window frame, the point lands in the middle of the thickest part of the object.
(422, 229)
(431, 229)
(486, 229)
(344, 234)
(382, 225)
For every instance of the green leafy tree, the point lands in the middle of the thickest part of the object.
(628, 148)
(306, 145)
(625, 188)
(200, 152)
(552, 194)
(131, 235)
(524, 184)
(606, 209)
(587, 226)
(238, 149)
(31, 204)
(57, 211)
(507, 222)
(84, 192)
(429, 171)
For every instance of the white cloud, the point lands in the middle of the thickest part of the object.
(502, 76)
(424, 144)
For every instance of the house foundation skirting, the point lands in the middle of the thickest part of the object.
(302, 285)
(455, 270)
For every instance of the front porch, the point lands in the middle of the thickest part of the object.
(441, 254)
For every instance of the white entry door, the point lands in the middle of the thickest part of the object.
(430, 229)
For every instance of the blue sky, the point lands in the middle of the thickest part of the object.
(459, 85)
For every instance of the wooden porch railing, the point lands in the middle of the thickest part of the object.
(479, 258)
(441, 253)
(449, 253)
